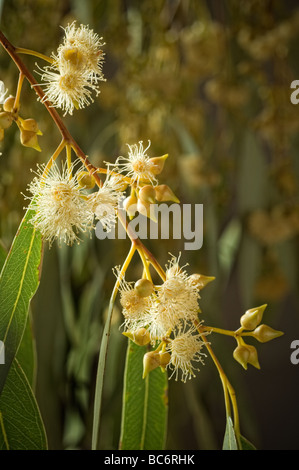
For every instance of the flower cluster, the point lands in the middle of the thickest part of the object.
(166, 313)
(251, 324)
(63, 207)
(76, 69)
(141, 171)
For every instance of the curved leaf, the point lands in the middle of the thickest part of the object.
(21, 426)
(246, 445)
(230, 441)
(19, 281)
(145, 404)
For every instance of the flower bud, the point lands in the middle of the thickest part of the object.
(200, 281)
(164, 193)
(30, 125)
(9, 104)
(5, 120)
(246, 354)
(252, 317)
(1, 134)
(140, 337)
(264, 333)
(85, 180)
(151, 361)
(164, 359)
(147, 194)
(158, 164)
(130, 205)
(241, 355)
(144, 287)
(253, 358)
(147, 209)
(29, 139)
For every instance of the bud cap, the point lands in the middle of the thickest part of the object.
(264, 333)
(252, 317)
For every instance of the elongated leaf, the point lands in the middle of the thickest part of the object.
(26, 352)
(3, 254)
(230, 441)
(145, 404)
(21, 426)
(19, 281)
(246, 445)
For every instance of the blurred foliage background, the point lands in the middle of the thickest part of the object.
(207, 82)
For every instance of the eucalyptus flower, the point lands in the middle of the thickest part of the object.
(60, 209)
(185, 350)
(75, 70)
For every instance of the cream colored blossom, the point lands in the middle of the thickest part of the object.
(61, 211)
(83, 48)
(68, 89)
(185, 349)
(73, 76)
(174, 303)
(134, 306)
(177, 300)
(137, 165)
(105, 201)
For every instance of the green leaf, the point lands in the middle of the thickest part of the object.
(19, 281)
(230, 441)
(245, 444)
(26, 354)
(145, 406)
(21, 426)
(3, 254)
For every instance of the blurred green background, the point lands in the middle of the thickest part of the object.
(207, 82)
